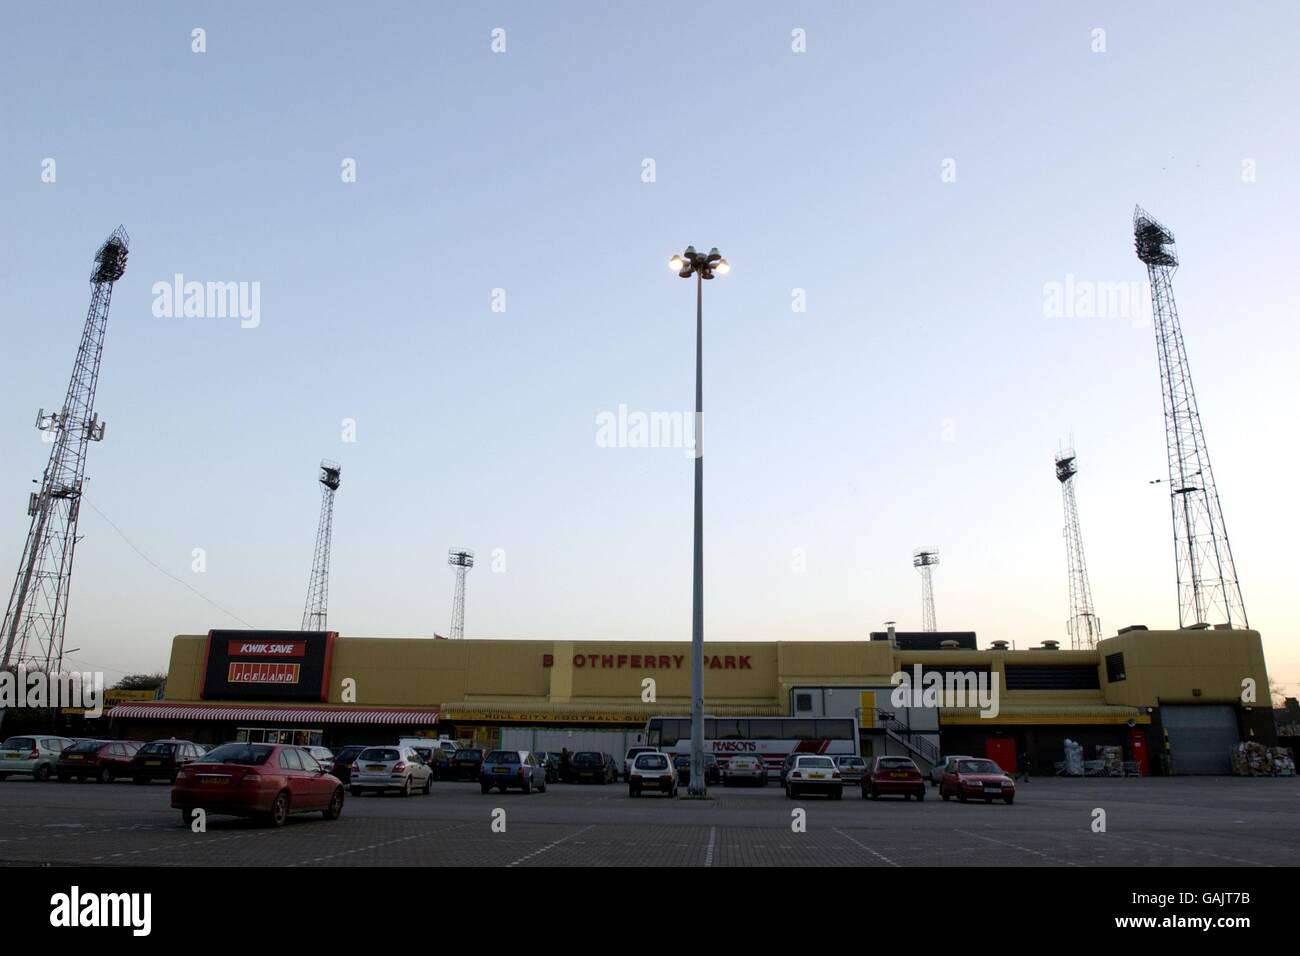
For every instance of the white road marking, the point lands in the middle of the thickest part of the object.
(713, 839)
(550, 846)
(865, 847)
(1016, 846)
(373, 846)
(1179, 849)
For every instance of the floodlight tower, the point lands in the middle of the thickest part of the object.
(462, 561)
(313, 615)
(37, 614)
(924, 559)
(1083, 626)
(1208, 592)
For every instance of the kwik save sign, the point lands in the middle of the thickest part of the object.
(262, 665)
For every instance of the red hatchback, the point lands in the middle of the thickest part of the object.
(893, 775)
(104, 760)
(257, 780)
(973, 778)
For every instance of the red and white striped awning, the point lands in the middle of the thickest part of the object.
(409, 716)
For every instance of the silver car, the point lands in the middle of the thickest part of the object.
(380, 769)
(32, 755)
(745, 769)
(852, 769)
(323, 756)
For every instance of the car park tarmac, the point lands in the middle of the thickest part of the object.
(1210, 821)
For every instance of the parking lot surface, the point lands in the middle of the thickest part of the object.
(1148, 822)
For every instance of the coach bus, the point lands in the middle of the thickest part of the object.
(771, 738)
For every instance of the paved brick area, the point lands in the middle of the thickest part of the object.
(1149, 822)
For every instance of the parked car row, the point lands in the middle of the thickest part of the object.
(42, 756)
(413, 767)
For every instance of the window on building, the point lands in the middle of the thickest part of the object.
(1051, 677)
(802, 703)
(1115, 667)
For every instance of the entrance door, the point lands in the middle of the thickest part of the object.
(1201, 736)
(1137, 748)
(1002, 751)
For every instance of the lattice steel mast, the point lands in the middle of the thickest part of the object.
(462, 561)
(1208, 592)
(924, 559)
(1083, 625)
(313, 615)
(37, 613)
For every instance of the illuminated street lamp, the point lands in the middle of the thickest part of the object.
(691, 263)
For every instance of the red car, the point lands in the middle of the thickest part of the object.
(105, 760)
(969, 778)
(893, 775)
(257, 780)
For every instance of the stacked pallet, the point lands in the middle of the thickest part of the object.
(1253, 759)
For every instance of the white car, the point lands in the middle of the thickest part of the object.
(652, 771)
(631, 755)
(813, 774)
(380, 769)
(745, 769)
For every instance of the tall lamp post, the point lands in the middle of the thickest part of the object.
(692, 263)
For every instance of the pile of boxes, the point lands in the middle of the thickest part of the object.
(1252, 759)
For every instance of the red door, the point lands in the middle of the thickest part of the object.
(1137, 748)
(1002, 751)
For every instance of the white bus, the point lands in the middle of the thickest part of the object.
(772, 738)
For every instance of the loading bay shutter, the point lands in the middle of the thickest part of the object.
(1201, 737)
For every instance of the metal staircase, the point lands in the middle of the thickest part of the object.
(910, 739)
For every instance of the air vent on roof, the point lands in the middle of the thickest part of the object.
(1050, 646)
(1198, 626)
(1131, 627)
(1223, 627)
(999, 645)
(949, 645)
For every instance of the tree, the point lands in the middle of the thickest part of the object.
(140, 682)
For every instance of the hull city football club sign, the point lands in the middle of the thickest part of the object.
(268, 665)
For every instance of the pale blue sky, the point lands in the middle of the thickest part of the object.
(917, 401)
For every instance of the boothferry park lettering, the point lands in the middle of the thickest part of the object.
(661, 662)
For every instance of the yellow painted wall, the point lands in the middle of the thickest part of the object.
(1166, 666)
(1160, 666)
(185, 671)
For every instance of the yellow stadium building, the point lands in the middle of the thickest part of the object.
(1142, 701)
